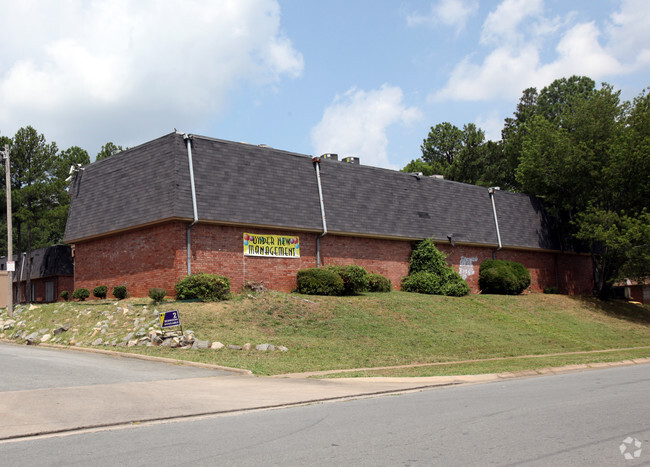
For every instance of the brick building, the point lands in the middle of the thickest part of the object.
(147, 216)
(52, 272)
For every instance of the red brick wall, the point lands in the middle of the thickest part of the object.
(156, 257)
(61, 283)
(573, 276)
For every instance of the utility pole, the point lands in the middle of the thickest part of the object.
(10, 253)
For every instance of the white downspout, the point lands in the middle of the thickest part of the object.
(316, 161)
(188, 142)
(491, 191)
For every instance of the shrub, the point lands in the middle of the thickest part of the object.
(379, 283)
(319, 281)
(81, 294)
(422, 282)
(100, 291)
(202, 286)
(429, 273)
(65, 295)
(120, 292)
(426, 257)
(551, 290)
(503, 277)
(354, 278)
(157, 294)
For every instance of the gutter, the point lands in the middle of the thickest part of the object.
(491, 191)
(188, 142)
(316, 161)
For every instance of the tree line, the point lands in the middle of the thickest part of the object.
(39, 196)
(582, 150)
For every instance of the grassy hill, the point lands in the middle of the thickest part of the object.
(365, 331)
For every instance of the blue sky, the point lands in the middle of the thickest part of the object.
(364, 78)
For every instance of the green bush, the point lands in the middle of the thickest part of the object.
(202, 286)
(422, 282)
(120, 292)
(65, 295)
(81, 294)
(100, 291)
(378, 283)
(497, 276)
(429, 273)
(354, 278)
(157, 294)
(426, 257)
(319, 281)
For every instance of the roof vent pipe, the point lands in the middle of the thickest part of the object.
(491, 191)
(188, 142)
(316, 161)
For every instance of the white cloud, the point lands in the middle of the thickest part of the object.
(518, 33)
(355, 124)
(491, 124)
(502, 24)
(134, 69)
(452, 13)
(629, 33)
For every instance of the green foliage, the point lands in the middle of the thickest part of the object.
(108, 150)
(65, 295)
(429, 273)
(157, 294)
(426, 257)
(354, 278)
(443, 143)
(81, 294)
(503, 277)
(203, 286)
(378, 283)
(120, 292)
(551, 290)
(100, 291)
(319, 281)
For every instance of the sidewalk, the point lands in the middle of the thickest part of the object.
(60, 410)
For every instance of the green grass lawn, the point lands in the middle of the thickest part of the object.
(374, 330)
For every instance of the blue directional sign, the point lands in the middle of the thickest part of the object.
(169, 319)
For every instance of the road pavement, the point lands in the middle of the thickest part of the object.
(46, 391)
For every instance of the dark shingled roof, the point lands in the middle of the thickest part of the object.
(239, 183)
(50, 261)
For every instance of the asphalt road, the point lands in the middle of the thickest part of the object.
(572, 419)
(33, 367)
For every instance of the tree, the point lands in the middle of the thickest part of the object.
(32, 167)
(108, 150)
(443, 144)
(469, 164)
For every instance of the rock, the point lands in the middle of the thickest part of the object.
(262, 347)
(189, 337)
(166, 343)
(282, 348)
(141, 332)
(132, 343)
(156, 340)
(9, 324)
(33, 339)
(234, 347)
(43, 331)
(246, 346)
(97, 341)
(46, 337)
(33, 307)
(197, 344)
(114, 342)
(271, 347)
(72, 342)
(62, 329)
(129, 336)
(217, 346)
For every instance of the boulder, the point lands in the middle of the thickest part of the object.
(217, 346)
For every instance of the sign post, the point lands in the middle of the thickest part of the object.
(10, 253)
(170, 319)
